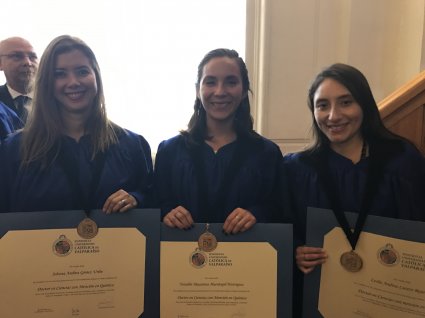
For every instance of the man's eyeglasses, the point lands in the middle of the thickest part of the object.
(19, 56)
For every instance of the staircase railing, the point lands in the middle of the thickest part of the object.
(403, 111)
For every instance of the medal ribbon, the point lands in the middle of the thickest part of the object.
(374, 175)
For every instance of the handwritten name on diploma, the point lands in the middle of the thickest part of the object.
(200, 298)
(82, 272)
(212, 297)
(397, 286)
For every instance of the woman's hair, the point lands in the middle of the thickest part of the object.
(372, 128)
(42, 134)
(242, 123)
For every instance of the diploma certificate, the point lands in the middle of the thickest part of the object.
(391, 283)
(48, 270)
(234, 280)
(246, 275)
(56, 273)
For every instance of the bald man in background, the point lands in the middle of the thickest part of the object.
(19, 63)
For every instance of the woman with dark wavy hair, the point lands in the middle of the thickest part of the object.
(354, 163)
(69, 142)
(219, 169)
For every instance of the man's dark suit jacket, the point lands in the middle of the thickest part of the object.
(6, 98)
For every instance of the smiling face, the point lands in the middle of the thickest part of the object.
(220, 89)
(337, 114)
(75, 82)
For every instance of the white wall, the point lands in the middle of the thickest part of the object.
(290, 41)
(148, 50)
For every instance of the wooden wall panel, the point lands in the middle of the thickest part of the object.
(412, 127)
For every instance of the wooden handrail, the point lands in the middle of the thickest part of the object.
(402, 95)
(403, 111)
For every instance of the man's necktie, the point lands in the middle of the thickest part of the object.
(20, 103)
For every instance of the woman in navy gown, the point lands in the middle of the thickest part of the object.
(219, 169)
(354, 163)
(69, 155)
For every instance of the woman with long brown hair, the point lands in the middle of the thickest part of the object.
(70, 155)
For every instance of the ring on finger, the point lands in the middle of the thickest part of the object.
(122, 202)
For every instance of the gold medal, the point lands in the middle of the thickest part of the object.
(351, 261)
(207, 242)
(87, 228)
